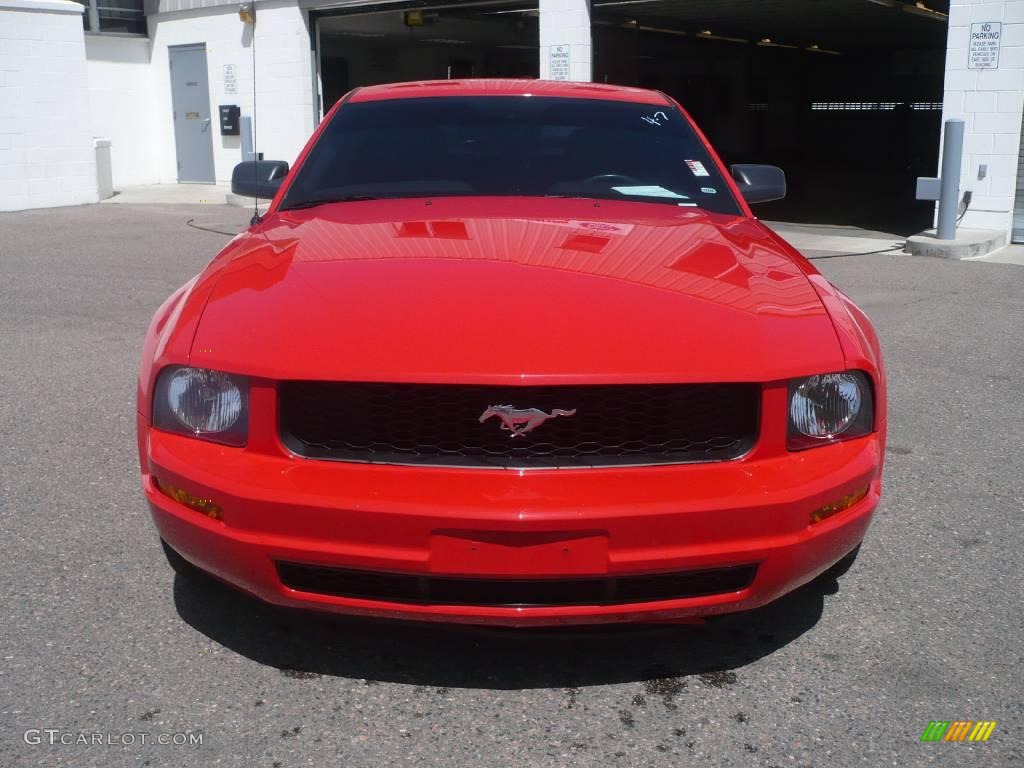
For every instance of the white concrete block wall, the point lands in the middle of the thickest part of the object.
(123, 105)
(566, 22)
(991, 103)
(284, 119)
(47, 156)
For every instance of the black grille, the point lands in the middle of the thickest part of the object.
(449, 590)
(439, 423)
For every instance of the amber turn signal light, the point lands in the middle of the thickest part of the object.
(822, 513)
(205, 506)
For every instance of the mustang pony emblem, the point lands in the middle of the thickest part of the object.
(519, 421)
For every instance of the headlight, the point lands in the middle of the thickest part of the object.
(829, 407)
(202, 403)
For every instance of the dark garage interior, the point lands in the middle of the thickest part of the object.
(464, 41)
(845, 95)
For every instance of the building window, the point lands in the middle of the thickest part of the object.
(126, 16)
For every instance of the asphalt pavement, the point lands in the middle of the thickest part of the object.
(98, 639)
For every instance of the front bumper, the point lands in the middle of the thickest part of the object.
(510, 524)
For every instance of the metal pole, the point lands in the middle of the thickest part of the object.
(949, 191)
(94, 16)
(245, 126)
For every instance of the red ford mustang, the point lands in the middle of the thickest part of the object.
(511, 352)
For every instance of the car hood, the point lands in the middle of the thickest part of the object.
(513, 291)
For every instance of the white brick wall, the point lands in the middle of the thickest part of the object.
(46, 148)
(566, 22)
(990, 102)
(284, 119)
(122, 105)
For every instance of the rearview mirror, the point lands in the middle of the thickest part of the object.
(258, 178)
(759, 183)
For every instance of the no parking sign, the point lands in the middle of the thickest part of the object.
(983, 52)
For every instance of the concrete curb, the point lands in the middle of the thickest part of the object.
(239, 201)
(968, 244)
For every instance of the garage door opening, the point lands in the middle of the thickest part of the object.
(845, 95)
(464, 40)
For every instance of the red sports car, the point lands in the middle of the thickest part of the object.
(511, 352)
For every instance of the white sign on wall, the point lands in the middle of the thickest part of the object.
(984, 47)
(558, 68)
(230, 82)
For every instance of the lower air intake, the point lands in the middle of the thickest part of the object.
(512, 593)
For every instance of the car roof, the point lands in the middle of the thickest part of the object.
(507, 87)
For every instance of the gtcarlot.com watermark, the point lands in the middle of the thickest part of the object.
(56, 736)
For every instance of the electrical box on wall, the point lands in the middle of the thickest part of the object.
(229, 120)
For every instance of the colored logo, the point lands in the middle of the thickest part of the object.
(958, 730)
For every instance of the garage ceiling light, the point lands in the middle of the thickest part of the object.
(767, 43)
(662, 30)
(526, 11)
(623, 2)
(818, 49)
(632, 24)
(706, 34)
(920, 9)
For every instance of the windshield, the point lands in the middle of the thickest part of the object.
(510, 145)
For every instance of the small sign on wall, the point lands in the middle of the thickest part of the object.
(983, 52)
(230, 81)
(558, 68)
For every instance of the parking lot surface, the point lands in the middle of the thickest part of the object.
(97, 636)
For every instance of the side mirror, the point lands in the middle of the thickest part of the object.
(759, 183)
(258, 178)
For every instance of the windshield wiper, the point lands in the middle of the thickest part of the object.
(314, 202)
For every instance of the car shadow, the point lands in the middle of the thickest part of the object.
(305, 645)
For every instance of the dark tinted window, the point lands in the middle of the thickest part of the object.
(510, 145)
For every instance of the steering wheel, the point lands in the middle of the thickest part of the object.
(611, 178)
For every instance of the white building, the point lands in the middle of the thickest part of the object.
(847, 95)
(990, 101)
